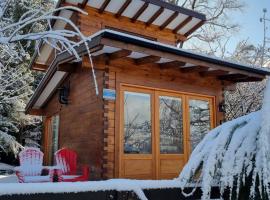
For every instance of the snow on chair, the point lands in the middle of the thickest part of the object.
(31, 169)
(66, 160)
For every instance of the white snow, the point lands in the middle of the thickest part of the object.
(232, 152)
(114, 184)
(4, 166)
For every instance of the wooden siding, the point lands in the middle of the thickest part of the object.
(171, 79)
(107, 20)
(81, 121)
(91, 125)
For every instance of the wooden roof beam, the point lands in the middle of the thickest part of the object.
(139, 12)
(146, 60)
(214, 73)
(68, 67)
(123, 8)
(230, 77)
(194, 69)
(119, 54)
(169, 20)
(83, 4)
(155, 16)
(194, 28)
(182, 24)
(40, 67)
(103, 6)
(172, 64)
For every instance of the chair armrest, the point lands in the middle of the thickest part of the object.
(85, 171)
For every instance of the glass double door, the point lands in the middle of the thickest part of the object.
(154, 142)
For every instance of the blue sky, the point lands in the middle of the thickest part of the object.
(249, 19)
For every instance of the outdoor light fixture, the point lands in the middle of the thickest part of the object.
(63, 94)
(221, 107)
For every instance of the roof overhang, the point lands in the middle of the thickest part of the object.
(109, 45)
(165, 15)
(152, 12)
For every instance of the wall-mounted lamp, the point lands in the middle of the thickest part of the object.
(221, 107)
(64, 94)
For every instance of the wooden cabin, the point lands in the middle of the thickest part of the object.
(156, 101)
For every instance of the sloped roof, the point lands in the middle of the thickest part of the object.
(160, 54)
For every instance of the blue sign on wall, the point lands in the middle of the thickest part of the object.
(109, 94)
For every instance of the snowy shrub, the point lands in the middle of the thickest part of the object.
(234, 156)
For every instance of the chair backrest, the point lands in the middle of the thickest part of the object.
(66, 159)
(31, 160)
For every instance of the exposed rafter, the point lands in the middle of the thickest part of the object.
(103, 6)
(83, 4)
(123, 8)
(229, 77)
(146, 60)
(172, 64)
(155, 16)
(193, 69)
(182, 24)
(139, 12)
(169, 20)
(119, 54)
(214, 73)
(194, 28)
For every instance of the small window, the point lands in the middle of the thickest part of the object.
(52, 138)
(137, 123)
(200, 120)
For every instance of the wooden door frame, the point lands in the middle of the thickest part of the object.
(185, 96)
(122, 155)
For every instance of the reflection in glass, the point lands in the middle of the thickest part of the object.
(137, 123)
(171, 125)
(199, 121)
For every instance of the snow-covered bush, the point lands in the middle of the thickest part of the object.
(234, 156)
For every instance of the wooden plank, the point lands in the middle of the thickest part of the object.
(155, 16)
(39, 67)
(172, 64)
(139, 12)
(169, 20)
(119, 54)
(230, 77)
(68, 67)
(180, 58)
(103, 6)
(123, 8)
(83, 4)
(193, 69)
(39, 112)
(182, 24)
(146, 60)
(194, 28)
(214, 73)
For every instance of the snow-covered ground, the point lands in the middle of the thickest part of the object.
(4, 166)
(10, 178)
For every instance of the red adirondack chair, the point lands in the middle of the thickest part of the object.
(66, 160)
(30, 169)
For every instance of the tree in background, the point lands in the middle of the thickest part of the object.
(213, 37)
(17, 83)
(247, 97)
(218, 26)
(25, 24)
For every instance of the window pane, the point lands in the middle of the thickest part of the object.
(200, 123)
(137, 123)
(171, 125)
(55, 130)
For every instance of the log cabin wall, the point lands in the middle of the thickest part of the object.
(95, 21)
(81, 121)
(120, 71)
